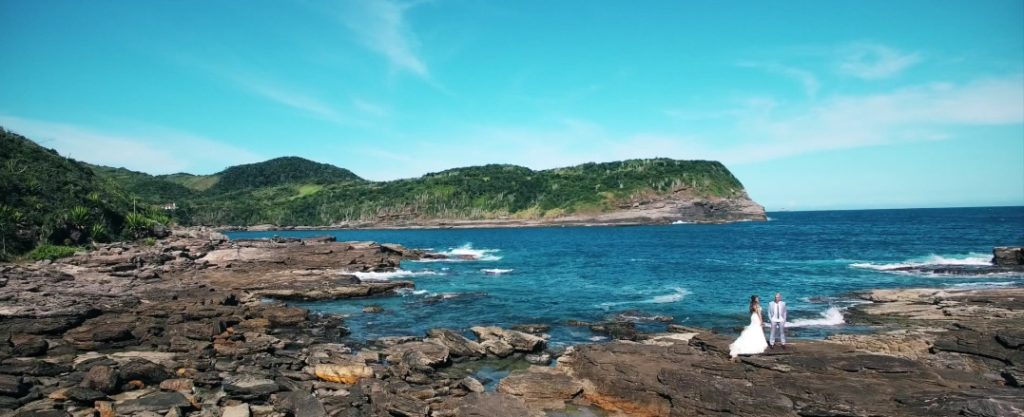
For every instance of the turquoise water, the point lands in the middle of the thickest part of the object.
(700, 275)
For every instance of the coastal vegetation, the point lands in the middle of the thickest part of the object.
(294, 191)
(52, 199)
(46, 198)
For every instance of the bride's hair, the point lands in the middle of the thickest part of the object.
(754, 304)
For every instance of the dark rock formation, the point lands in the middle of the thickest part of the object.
(1008, 256)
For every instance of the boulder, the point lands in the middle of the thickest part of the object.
(247, 386)
(498, 347)
(542, 386)
(488, 405)
(521, 342)
(418, 354)
(394, 404)
(1008, 256)
(183, 385)
(299, 404)
(240, 410)
(28, 345)
(84, 395)
(143, 370)
(160, 402)
(33, 367)
(458, 345)
(102, 378)
(102, 333)
(285, 316)
(12, 386)
(471, 384)
(342, 373)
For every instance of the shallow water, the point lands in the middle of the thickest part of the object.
(701, 275)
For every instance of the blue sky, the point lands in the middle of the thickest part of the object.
(813, 105)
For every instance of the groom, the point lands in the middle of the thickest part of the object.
(777, 316)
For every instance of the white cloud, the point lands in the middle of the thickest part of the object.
(759, 129)
(158, 151)
(381, 26)
(807, 79)
(873, 61)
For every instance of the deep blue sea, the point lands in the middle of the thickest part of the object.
(700, 275)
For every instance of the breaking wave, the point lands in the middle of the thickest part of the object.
(971, 259)
(831, 317)
(385, 276)
(496, 271)
(678, 295)
(466, 253)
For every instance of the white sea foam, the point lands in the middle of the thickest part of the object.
(466, 253)
(831, 317)
(385, 276)
(496, 271)
(678, 295)
(405, 292)
(971, 259)
(980, 285)
(681, 222)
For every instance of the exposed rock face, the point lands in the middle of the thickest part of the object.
(541, 387)
(1008, 256)
(519, 341)
(457, 344)
(810, 378)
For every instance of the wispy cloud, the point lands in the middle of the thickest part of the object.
(293, 98)
(805, 78)
(874, 61)
(758, 129)
(381, 26)
(369, 107)
(158, 151)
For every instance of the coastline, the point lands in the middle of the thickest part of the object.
(185, 326)
(480, 224)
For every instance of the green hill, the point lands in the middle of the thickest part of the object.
(295, 191)
(279, 171)
(49, 198)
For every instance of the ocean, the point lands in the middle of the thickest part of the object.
(698, 275)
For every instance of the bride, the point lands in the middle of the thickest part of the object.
(751, 340)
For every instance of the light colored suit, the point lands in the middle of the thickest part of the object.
(777, 317)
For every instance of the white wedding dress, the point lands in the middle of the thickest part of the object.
(751, 340)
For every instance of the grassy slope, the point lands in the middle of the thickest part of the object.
(293, 191)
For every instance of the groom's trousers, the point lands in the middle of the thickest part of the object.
(781, 326)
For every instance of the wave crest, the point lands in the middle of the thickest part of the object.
(496, 271)
(831, 317)
(387, 276)
(971, 259)
(465, 253)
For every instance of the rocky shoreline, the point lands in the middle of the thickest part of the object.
(185, 327)
(656, 211)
